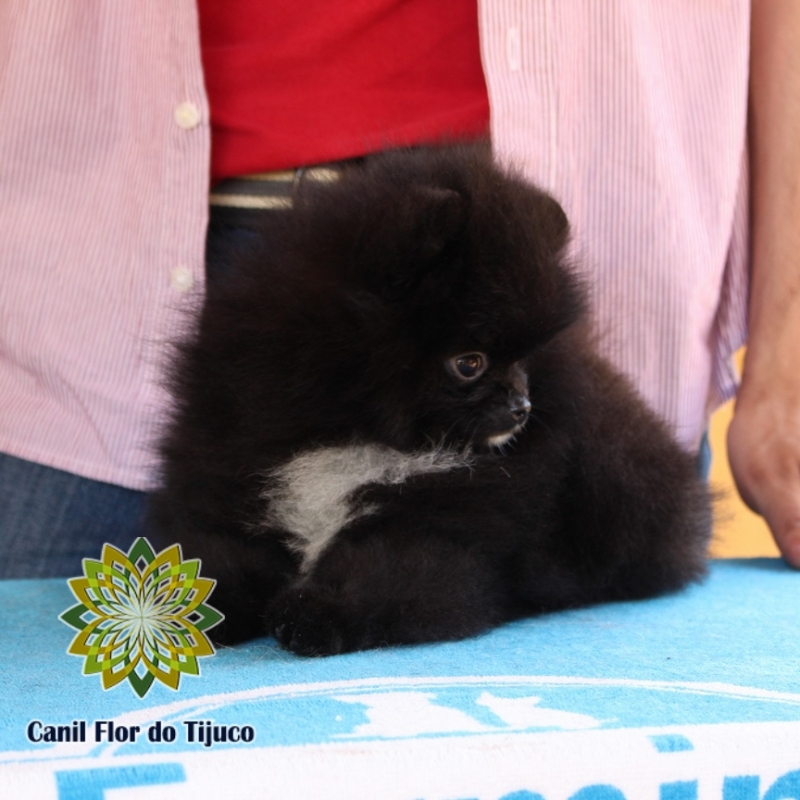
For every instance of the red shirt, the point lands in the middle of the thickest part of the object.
(296, 82)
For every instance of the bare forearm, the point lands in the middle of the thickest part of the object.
(764, 438)
(775, 162)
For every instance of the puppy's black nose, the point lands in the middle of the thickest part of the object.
(519, 406)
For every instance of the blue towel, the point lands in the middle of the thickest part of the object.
(690, 696)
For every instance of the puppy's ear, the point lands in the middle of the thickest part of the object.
(553, 221)
(442, 217)
(413, 245)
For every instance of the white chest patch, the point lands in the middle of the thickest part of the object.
(311, 496)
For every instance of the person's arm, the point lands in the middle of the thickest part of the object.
(764, 437)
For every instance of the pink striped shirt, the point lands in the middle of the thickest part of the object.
(631, 112)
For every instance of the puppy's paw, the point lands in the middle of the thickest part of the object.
(309, 624)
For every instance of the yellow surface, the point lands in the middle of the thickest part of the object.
(738, 532)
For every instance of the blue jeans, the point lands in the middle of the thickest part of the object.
(704, 458)
(50, 519)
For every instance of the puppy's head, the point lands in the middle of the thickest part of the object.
(450, 274)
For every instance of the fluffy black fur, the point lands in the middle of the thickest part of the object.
(421, 304)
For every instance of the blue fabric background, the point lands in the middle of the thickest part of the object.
(722, 653)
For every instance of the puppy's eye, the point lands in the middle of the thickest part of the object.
(469, 366)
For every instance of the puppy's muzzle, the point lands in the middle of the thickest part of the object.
(519, 406)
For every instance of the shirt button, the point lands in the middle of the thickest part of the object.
(187, 115)
(181, 279)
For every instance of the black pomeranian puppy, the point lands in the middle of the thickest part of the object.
(392, 426)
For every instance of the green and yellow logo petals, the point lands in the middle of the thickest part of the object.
(141, 616)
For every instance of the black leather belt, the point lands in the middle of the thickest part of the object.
(242, 200)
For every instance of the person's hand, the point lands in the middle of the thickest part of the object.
(764, 455)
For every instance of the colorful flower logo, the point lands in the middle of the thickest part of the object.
(141, 616)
